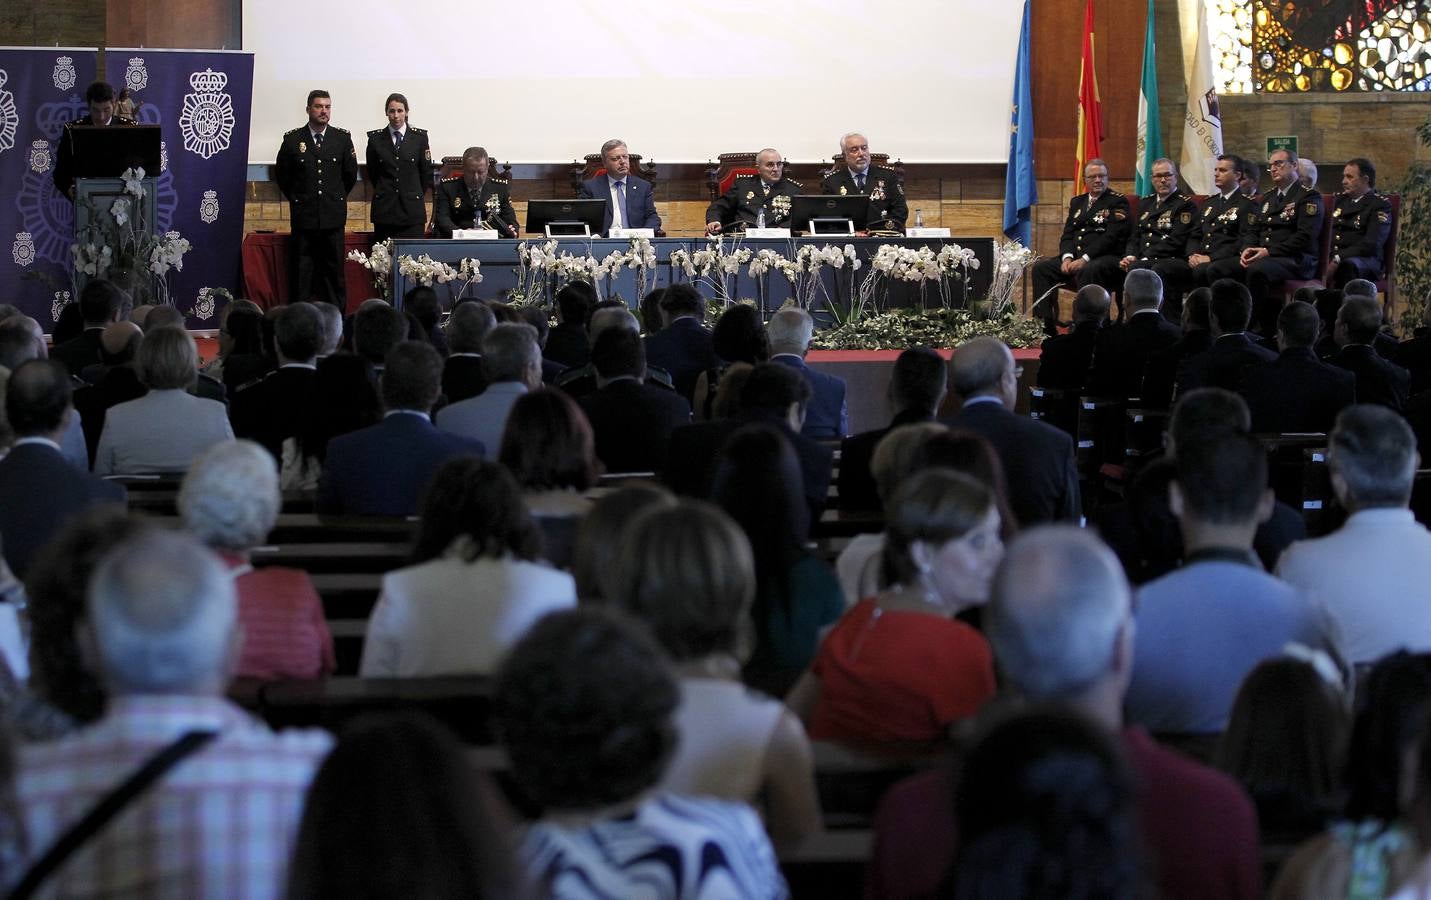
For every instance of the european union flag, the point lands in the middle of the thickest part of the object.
(1020, 189)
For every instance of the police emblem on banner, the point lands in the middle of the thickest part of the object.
(204, 305)
(209, 208)
(23, 250)
(207, 120)
(163, 156)
(9, 115)
(40, 157)
(62, 299)
(64, 74)
(136, 77)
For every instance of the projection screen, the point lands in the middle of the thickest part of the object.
(546, 81)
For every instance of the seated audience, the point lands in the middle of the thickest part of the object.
(827, 415)
(398, 810)
(422, 304)
(1120, 356)
(166, 428)
(244, 351)
(22, 339)
(602, 533)
(738, 337)
(230, 501)
(116, 379)
(567, 343)
(40, 490)
(898, 667)
(548, 447)
(100, 303)
(1204, 626)
(686, 571)
(1162, 367)
(163, 621)
(916, 390)
(585, 708)
(1378, 379)
(278, 406)
(382, 470)
(683, 346)
(462, 374)
(579, 382)
(1296, 392)
(796, 594)
(1060, 620)
(377, 329)
(1372, 576)
(1064, 359)
(475, 585)
(345, 400)
(1233, 352)
(1285, 742)
(511, 366)
(631, 421)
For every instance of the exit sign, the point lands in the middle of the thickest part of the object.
(1286, 142)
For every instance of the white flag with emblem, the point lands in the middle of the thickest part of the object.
(1202, 120)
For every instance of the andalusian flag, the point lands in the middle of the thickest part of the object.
(1090, 110)
(1150, 130)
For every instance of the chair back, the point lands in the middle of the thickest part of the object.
(593, 166)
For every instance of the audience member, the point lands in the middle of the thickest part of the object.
(738, 337)
(584, 708)
(567, 343)
(116, 379)
(163, 617)
(244, 354)
(100, 303)
(757, 483)
(578, 383)
(332, 318)
(278, 407)
(537, 317)
(377, 329)
(511, 366)
(422, 304)
(462, 373)
(1037, 458)
(1160, 375)
(630, 420)
(398, 810)
(687, 572)
(1064, 359)
(1203, 627)
(602, 534)
(1060, 620)
(1232, 353)
(1296, 392)
(40, 491)
(548, 447)
(383, 469)
(166, 428)
(230, 501)
(827, 415)
(1120, 356)
(1372, 576)
(1378, 379)
(898, 667)
(916, 391)
(683, 346)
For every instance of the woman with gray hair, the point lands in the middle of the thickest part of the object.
(166, 428)
(230, 501)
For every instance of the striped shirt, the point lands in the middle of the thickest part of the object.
(219, 824)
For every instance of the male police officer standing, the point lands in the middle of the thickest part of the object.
(317, 166)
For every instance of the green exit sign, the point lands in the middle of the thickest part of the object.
(1286, 142)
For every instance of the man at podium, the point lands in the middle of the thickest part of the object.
(855, 175)
(768, 191)
(100, 97)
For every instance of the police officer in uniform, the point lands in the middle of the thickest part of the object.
(1218, 230)
(473, 197)
(1159, 240)
(316, 168)
(1361, 222)
(1281, 244)
(749, 195)
(400, 171)
(887, 210)
(101, 100)
(1097, 226)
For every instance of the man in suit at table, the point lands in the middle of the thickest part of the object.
(1038, 458)
(316, 168)
(474, 196)
(827, 416)
(629, 201)
(888, 209)
(768, 191)
(1097, 226)
(382, 470)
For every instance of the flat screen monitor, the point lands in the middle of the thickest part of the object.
(566, 217)
(805, 207)
(106, 151)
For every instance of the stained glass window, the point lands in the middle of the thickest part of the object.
(1300, 46)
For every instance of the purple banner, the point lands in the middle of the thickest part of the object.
(201, 99)
(41, 88)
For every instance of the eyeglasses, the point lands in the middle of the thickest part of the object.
(1277, 164)
(1162, 174)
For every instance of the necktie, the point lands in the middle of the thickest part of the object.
(318, 139)
(618, 217)
(860, 182)
(397, 140)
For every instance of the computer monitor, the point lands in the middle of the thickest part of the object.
(564, 218)
(828, 213)
(106, 151)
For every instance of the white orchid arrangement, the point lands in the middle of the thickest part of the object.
(1010, 260)
(715, 266)
(379, 264)
(122, 243)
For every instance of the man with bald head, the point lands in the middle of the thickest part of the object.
(1061, 625)
(40, 490)
(1038, 458)
(768, 193)
(581, 381)
(115, 379)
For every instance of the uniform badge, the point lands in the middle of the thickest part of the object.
(1266, 208)
(1207, 211)
(843, 191)
(426, 153)
(750, 195)
(1312, 208)
(1356, 222)
(1165, 221)
(1336, 212)
(302, 146)
(1383, 217)
(1119, 214)
(1145, 215)
(456, 202)
(1186, 218)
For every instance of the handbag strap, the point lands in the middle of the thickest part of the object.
(106, 809)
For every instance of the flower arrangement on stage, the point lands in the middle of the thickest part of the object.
(379, 264)
(541, 267)
(715, 266)
(426, 271)
(899, 329)
(119, 244)
(1010, 260)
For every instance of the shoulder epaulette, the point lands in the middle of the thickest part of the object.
(124, 120)
(295, 130)
(336, 128)
(1114, 193)
(496, 180)
(376, 131)
(794, 182)
(885, 168)
(1179, 195)
(416, 129)
(451, 178)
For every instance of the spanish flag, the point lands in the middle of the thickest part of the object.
(1090, 110)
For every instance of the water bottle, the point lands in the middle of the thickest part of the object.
(919, 218)
(760, 218)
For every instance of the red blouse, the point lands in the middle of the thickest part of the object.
(284, 632)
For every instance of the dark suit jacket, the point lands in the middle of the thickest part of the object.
(119, 384)
(827, 415)
(856, 482)
(1064, 359)
(316, 180)
(640, 201)
(1378, 380)
(567, 344)
(1224, 364)
(1296, 392)
(452, 205)
(1120, 356)
(691, 461)
(279, 406)
(1161, 374)
(462, 377)
(1038, 461)
(399, 176)
(39, 492)
(683, 349)
(383, 469)
(79, 352)
(887, 210)
(632, 423)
